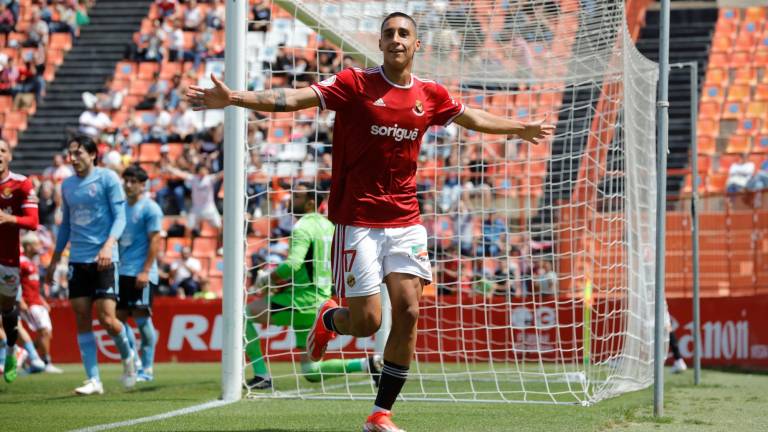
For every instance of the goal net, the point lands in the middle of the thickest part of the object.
(542, 255)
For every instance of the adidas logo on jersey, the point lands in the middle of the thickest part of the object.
(379, 102)
(397, 133)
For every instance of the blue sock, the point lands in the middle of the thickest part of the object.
(87, 342)
(3, 347)
(122, 344)
(131, 336)
(31, 351)
(148, 341)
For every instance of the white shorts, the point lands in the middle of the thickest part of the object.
(362, 257)
(209, 214)
(37, 318)
(10, 282)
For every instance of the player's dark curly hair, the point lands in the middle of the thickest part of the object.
(84, 141)
(136, 172)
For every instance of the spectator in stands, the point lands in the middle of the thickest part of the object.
(150, 46)
(7, 20)
(160, 128)
(166, 8)
(30, 82)
(193, 16)
(494, 228)
(185, 122)
(47, 205)
(9, 77)
(37, 34)
(94, 122)
(108, 95)
(174, 186)
(261, 16)
(67, 22)
(59, 170)
(186, 275)
(202, 184)
(175, 37)
(545, 279)
(759, 180)
(203, 47)
(258, 184)
(155, 93)
(283, 62)
(739, 174)
(176, 92)
(216, 15)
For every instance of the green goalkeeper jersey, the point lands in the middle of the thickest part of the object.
(308, 266)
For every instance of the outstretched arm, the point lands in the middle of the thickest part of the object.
(277, 100)
(486, 122)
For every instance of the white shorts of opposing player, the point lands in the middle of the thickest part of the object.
(37, 318)
(364, 256)
(9, 281)
(209, 214)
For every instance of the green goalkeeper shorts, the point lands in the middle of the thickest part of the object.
(283, 313)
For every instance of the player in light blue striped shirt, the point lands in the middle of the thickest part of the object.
(139, 246)
(93, 206)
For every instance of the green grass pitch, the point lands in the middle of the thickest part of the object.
(725, 402)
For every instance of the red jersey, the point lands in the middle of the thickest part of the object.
(30, 282)
(376, 139)
(18, 198)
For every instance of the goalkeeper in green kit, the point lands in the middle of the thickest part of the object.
(295, 290)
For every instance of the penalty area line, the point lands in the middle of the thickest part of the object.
(157, 417)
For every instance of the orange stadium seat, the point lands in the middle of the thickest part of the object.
(722, 44)
(217, 267)
(15, 120)
(707, 128)
(718, 60)
(207, 230)
(125, 70)
(705, 163)
(710, 110)
(204, 246)
(61, 41)
(748, 126)
(730, 15)
(760, 144)
(739, 144)
(716, 182)
(174, 245)
(149, 152)
(755, 14)
(739, 59)
(761, 92)
(733, 110)
(726, 160)
(716, 76)
(738, 93)
(745, 75)
(713, 92)
(147, 69)
(757, 109)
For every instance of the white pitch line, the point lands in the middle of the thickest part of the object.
(176, 413)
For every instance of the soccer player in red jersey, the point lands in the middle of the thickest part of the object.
(18, 209)
(381, 115)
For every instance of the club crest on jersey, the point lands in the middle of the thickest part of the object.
(328, 81)
(9, 279)
(92, 190)
(7, 193)
(351, 281)
(418, 108)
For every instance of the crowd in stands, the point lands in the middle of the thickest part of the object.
(140, 116)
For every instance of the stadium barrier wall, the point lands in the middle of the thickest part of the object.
(734, 331)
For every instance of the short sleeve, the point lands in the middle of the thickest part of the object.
(29, 196)
(445, 108)
(337, 91)
(154, 218)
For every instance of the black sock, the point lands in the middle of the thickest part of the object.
(10, 325)
(328, 320)
(674, 347)
(392, 379)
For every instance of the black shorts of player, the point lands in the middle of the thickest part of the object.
(132, 297)
(86, 280)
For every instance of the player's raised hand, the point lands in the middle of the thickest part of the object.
(212, 98)
(536, 130)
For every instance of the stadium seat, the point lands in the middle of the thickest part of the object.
(710, 110)
(757, 109)
(722, 44)
(755, 14)
(740, 59)
(738, 144)
(147, 70)
(760, 144)
(208, 230)
(761, 92)
(716, 183)
(746, 75)
(726, 160)
(174, 245)
(216, 285)
(708, 127)
(728, 15)
(204, 246)
(748, 126)
(718, 60)
(15, 120)
(216, 268)
(125, 70)
(733, 110)
(261, 226)
(712, 92)
(60, 41)
(149, 152)
(738, 93)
